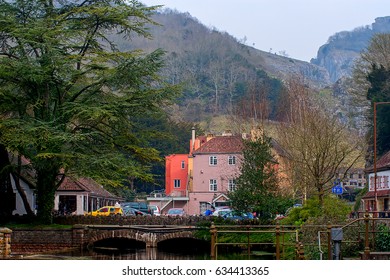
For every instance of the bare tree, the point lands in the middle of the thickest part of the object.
(317, 144)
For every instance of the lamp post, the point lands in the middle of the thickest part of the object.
(375, 177)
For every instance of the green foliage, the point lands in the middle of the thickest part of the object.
(70, 101)
(257, 184)
(359, 196)
(379, 79)
(333, 210)
(382, 238)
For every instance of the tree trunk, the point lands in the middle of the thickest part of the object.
(7, 197)
(320, 195)
(46, 187)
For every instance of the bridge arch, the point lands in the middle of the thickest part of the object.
(99, 235)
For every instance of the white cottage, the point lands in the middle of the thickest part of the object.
(379, 193)
(77, 196)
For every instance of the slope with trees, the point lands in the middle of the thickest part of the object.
(216, 70)
(317, 144)
(370, 84)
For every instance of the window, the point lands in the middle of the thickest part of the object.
(232, 160)
(232, 185)
(351, 176)
(176, 183)
(213, 160)
(213, 185)
(183, 164)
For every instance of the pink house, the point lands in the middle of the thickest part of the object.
(216, 165)
(202, 178)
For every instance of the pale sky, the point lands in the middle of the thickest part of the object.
(295, 27)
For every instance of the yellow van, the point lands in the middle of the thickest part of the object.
(107, 211)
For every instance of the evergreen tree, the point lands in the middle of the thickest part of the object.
(257, 183)
(69, 99)
(379, 91)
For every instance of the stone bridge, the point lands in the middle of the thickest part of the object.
(150, 235)
(33, 241)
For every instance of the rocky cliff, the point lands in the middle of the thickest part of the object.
(337, 56)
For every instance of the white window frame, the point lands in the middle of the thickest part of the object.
(232, 160)
(232, 185)
(183, 164)
(176, 183)
(213, 160)
(213, 185)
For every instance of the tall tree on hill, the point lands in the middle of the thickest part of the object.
(70, 98)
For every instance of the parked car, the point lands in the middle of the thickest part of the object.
(141, 206)
(155, 209)
(128, 211)
(176, 212)
(237, 215)
(220, 212)
(106, 211)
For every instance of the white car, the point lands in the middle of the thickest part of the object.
(221, 212)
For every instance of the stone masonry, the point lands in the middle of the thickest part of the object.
(5, 243)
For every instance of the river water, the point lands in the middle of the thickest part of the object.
(148, 254)
(139, 254)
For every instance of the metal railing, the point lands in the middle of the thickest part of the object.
(359, 233)
(279, 232)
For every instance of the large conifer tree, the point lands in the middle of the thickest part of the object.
(69, 99)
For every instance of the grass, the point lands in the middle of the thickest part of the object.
(35, 226)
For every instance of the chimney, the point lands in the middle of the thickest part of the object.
(193, 139)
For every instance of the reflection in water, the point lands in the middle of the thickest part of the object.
(136, 254)
(127, 249)
(175, 249)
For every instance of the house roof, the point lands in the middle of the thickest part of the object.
(379, 193)
(84, 185)
(221, 145)
(382, 164)
(232, 145)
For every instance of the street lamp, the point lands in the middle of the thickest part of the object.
(375, 177)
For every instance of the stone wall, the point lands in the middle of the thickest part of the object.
(33, 241)
(5, 243)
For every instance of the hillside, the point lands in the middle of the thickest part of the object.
(219, 74)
